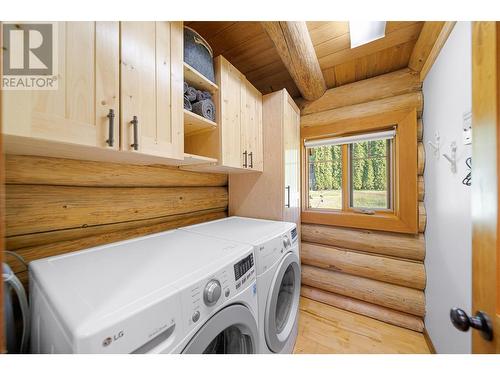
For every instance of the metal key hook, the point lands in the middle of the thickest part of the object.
(453, 158)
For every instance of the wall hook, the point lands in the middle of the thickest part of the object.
(453, 158)
(435, 144)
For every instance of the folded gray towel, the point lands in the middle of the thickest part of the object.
(205, 108)
(202, 95)
(187, 104)
(186, 86)
(191, 94)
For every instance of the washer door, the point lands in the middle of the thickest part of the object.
(232, 330)
(283, 303)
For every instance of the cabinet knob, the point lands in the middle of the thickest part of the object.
(250, 155)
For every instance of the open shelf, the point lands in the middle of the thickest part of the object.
(194, 123)
(199, 81)
(191, 159)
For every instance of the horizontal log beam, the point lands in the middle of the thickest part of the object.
(420, 130)
(422, 217)
(391, 84)
(375, 107)
(294, 46)
(420, 158)
(51, 249)
(54, 171)
(357, 306)
(392, 244)
(396, 297)
(39, 208)
(167, 222)
(421, 188)
(395, 271)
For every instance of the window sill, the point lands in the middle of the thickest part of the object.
(384, 221)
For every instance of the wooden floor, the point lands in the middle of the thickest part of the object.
(326, 329)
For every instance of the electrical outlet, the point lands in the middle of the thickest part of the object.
(467, 128)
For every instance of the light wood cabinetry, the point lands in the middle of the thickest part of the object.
(151, 93)
(236, 140)
(274, 194)
(88, 88)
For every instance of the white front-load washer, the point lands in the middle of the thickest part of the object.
(171, 292)
(277, 257)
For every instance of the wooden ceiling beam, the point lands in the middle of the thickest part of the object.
(293, 44)
(432, 38)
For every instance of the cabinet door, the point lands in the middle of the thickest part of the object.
(151, 76)
(231, 87)
(88, 87)
(291, 137)
(251, 128)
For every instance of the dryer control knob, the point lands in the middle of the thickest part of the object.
(286, 242)
(212, 292)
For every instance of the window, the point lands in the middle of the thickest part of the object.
(360, 165)
(361, 172)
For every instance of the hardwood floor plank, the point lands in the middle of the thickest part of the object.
(324, 329)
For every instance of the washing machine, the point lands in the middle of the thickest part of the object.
(171, 292)
(277, 257)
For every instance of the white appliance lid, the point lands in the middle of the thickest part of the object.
(107, 283)
(242, 229)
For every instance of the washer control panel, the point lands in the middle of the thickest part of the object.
(205, 296)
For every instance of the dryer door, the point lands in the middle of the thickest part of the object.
(283, 303)
(233, 330)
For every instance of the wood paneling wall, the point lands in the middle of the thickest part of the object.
(54, 206)
(377, 274)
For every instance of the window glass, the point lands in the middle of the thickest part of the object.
(325, 177)
(370, 174)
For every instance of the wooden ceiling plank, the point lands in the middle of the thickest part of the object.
(392, 84)
(432, 38)
(233, 35)
(390, 40)
(327, 31)
(209, 29)
(295, 48)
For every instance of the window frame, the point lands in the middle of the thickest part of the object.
(403, 216)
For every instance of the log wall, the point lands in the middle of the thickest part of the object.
(54, 206)
(377, 274)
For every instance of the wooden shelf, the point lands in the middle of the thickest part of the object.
(199, 81)
(194, 123)
(191, 159)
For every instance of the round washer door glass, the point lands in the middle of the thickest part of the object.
(283, 303)
(233, 330)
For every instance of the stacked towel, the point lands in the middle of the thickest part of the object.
(199, 102)
(205, 108)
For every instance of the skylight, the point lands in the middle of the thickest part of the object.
(362, 32)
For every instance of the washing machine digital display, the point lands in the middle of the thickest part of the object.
(243, 266)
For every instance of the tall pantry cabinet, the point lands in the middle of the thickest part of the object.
(275, 193)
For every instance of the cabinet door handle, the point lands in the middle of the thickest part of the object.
(287, 188)
(111, 123)
(135, 123)
(245, 161)
(251, 159)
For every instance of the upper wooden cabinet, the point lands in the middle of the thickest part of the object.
(237, 140)
(275, 193)
(88, 88)
(152, 88)
(251, 127)
(232, 95)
